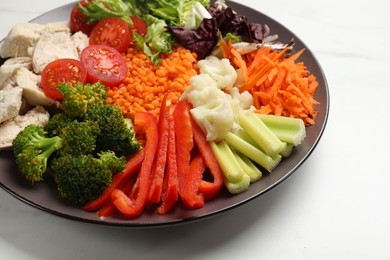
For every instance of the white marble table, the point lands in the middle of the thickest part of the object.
(335, 206)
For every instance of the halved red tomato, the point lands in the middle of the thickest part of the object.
(104, 64)
(113, 32)
(59, 71)
(77, 20)
(139, 26)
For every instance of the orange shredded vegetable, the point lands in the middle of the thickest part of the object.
(279, 85)
(146, 83)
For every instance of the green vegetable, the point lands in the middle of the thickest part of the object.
(84, 145)
(157, 39)
(97, 10)
(197, 14)
(115, 135)
(174, 12)
(287, 129)
(32, 150)
(249, 167)
(78, 98)
(236, 180)
(262, 135)
(254, 146)
(56, 123)
(252, 152)
(83, 178)
(79, 138)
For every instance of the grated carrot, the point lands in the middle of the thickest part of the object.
(146, 83)
(279, 85)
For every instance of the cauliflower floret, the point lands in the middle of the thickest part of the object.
(220, 70)
(216, 102)
(245, 98)
(214, 115)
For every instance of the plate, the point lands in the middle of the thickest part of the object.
(44, 195)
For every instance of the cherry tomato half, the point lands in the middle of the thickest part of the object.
(139, 26)
(113, 32)
(61, 70)
(77, 18)
(104, 64)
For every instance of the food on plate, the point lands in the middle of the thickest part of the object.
(10, 128)
(157, 104)
(281, 86)
(61, 71)
(144, 88)
(113, 32)
(10, 103)
(88, 137)
(103, 63)
(76, 20)
(97, 172)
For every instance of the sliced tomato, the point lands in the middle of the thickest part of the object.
(77, 20)
(139, 26)
(59, 71)
(113, 32)
(104, 64)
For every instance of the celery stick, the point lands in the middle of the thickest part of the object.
(228, 163)
(244, 135)
(287, 129)
(235, 178)
(287, 152)
(261, 134)
(249, 167)
(258, 156)
(238, 187)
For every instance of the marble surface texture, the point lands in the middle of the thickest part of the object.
(335, 206)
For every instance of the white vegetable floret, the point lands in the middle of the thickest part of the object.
(245, 98)
(214, 115)
(216, 102)
(220, 70)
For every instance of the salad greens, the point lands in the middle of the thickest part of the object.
(96, 10)
(157, 38)
(195, 24)
(174, 12)
(158, 15)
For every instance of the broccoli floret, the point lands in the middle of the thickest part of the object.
(78, 98)
(32, 149)
(83, 178)
(56, 123)
(115, 133)
(79, 138)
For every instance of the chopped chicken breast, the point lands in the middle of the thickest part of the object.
(11, 128)
(10, 66)
(20, 38)
(52, 46)
(10, 103)
(80, 41)
(29, 82)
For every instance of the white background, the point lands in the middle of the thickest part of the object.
(335, 206)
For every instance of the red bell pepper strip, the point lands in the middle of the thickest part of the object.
(109, 209)
(156, 185)
(190, 196)
(209, 189)
(134, 205)
(132, 166)
(184, 139)
(170, 193)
